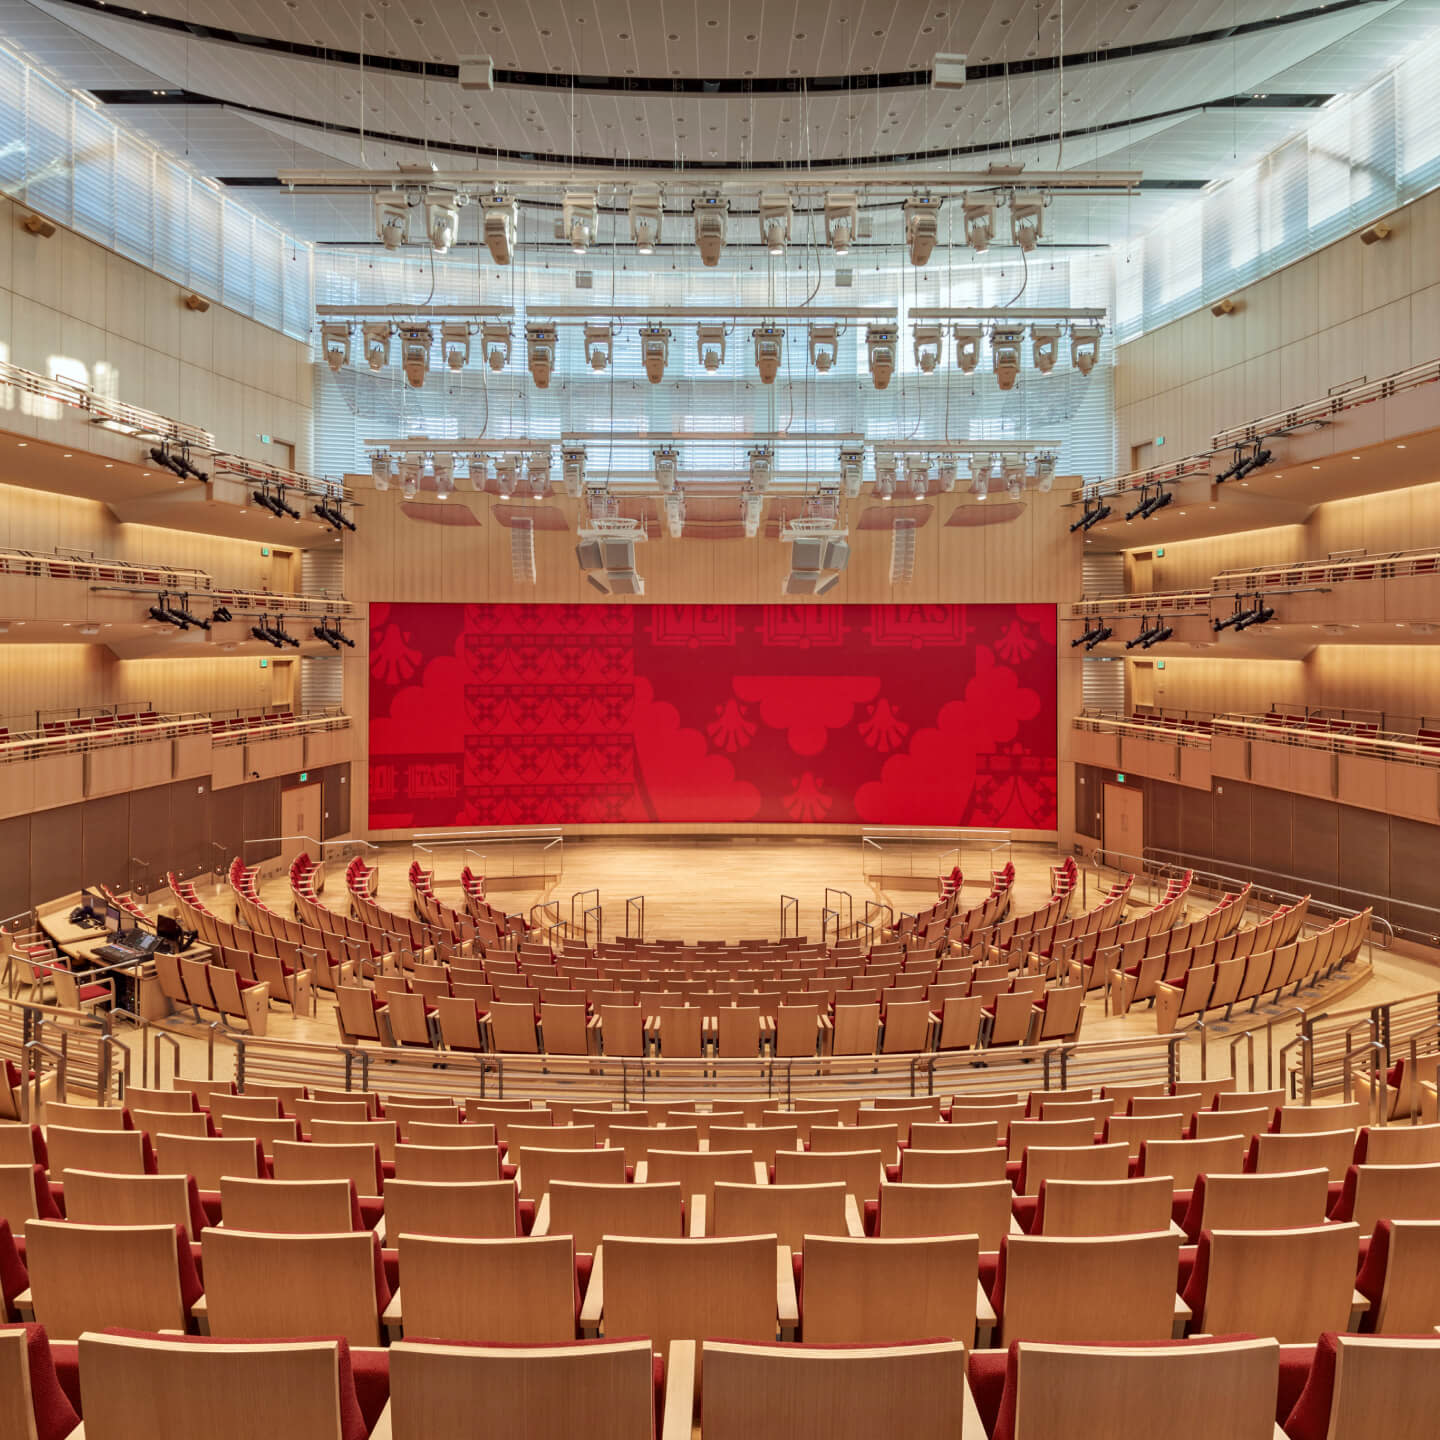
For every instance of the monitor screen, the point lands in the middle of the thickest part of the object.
(112, 917)
(167, 926)
(92, 904)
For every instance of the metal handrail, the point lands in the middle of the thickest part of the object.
(581, 896)
(850, 907)
(1307, 1070)
(1375, 1069)
(789, 906)
(635, 905)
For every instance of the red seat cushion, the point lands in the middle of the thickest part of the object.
(55, 1416)
(13, 1276)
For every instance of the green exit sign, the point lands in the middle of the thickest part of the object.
(1119, 778)
(1160, 553)
(265, 552)
(264, 664)
(1159, 441)
(304, 776)
(265, 440)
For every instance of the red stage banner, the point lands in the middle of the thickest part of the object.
(806, 714)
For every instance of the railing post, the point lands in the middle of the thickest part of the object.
(239, 1063)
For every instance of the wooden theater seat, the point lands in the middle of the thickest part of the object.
(1104, 1207)
(287, 1207)
(478, 1210)
(952, 1167)
(911, 1211)
(590, 1212)
(447, 1162)
(1361, 1386)
(790, 1212)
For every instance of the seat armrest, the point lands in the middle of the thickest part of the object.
(787, 1303)
(393, 1319)
(679, 1391)
(762, 1173)
(972, 1427)
(642, 1169)
(384, 1428)
(25, 1305)
(542, 1216)
(1183, 1315)
(594, 1306)
(200, 1314)
(985, 1316)
(1015, 1227)
(697, 1217)
(854, 1225)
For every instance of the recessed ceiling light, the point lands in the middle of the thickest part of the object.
(1314, 467)
(1354, 457)
(68, 455)
(24, 443)
(1399, 447)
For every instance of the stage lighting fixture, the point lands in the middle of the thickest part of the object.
(880, 342)
(377, 343)
(1045, 471)
(540, 341)
(917, 475)
(752, 510)
(415, 343)
(572, 471)
(666, 460)
(260, 633)
(929, 347)
(775, 222)
(442, 223)
(1161, 498)
(1258, 616)
(335, 341)
(1044, 344)
(1012, 473)
(710, 346)
(646, 218)
(1256, 460)
(282, 636)
(842, 220)
(499, 215)
(478, 461)
(164, 614)
(762, 467)
(330, 632)
(885, 470)
(1139, 639)
(411, 463)
(495, 340)
(711, 220)
(922, 226)
(1104, 633)
(967, 347)
(824, 346)
(654, 351)
(675, 515)
(1139, 507)
(769, 342)
(852, 471)
(455, 344)
(945, 473)
(1085, 635)
(979, 223)
(1094, 512)
(537, 472)
(1027, 219)
(1084, 347)
(444, 464)
(578, 218)
(1006, 342)
(335, 517)
(1233, 470)
(980, 467)
(392, 219)
(598, 346)
(1158, 636)
(506, 467)
(221, 615)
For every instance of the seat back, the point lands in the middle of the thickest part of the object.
(503, 1291)
(281, 1286)
(1104, 1207)
(84, 1117)
(465, 1136)
(99, 1199)
(790, 1212)
(1283, 1200)
(88, 1277)
(170, 1122)
(1331, 1150)
(637, 1141)
(113, 1152)
(1402, 1145)
(1383, 1385)
(266, 1131)
(761, 1142)
(858, 1290)
(860, 1170)
(1048, 1133)
(1409, 1301)
(1307, 1119)
(952, 1167)
(602, 1391)
(1040, 1163)
(589, 1212)
(827, 1139)
(1290, 1284)
(1089, 1289)
(477, 1210)
(697, 1171)
(1183, 1160)
(447, 1162)
(133, 1386)
(549, 1137)
(939, 1135)
(379, 1133)
(1395, 1192)
(299, 1160)
(539, 1168)
(207, 1159)
(1134, 1130)
(286, 1207)
(910, 1211)
(1209, 1123)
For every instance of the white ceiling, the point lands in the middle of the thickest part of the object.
(256, 111)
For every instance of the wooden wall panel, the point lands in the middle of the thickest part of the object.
(1415, 876)
(56, 851)
(1315, 844)
(105, 842)
(151, 830)
(14, 865)
(261, 818)
(336, 810)
(227, 819)
(1230, 811)
(189, 802)
(1197, 828)
(1364, 854)
(1089, 797)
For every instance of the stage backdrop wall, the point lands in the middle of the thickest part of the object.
(605, 714)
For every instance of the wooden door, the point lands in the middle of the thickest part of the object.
(300, 809)
(1124, 821)
(1142, 685)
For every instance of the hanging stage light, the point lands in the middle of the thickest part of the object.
(1044, 345)
(880, 342)
(769, 342)
(540, 342)
(852, 471)
(979, 223)
(415, 343)
(335, 341)
(455, 344)
(598, 345)
(1027, 219)
(646, 218)
(711, 218)
(495, 341)
(654, 351)
(392, 219)
(578, 219)
(442, 223)
(842, 220)
(710, 346)
(929, 347)
(1005, 345)
(922, 226)
(967, 347)
(824, 346)
(376, 335)
(775, 223)
(1084, 347)
(499, 215)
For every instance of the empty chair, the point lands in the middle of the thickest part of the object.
(267, 1132)
(1361, 1386)
(697, 1171)
(171, 1122)
(258, 1107)
(208, 1159)
(636, 1142)
(590, 1212)
(98, 1199)
(540, 1168)
(1103, 1207)
(1183, 1160)
(1205, 1124)
(860, 1170)
(447, 1162)
(469, 1134)
(681, 1032)
(910, 1211)
(621, 1030)
(1290, 1284)
(85, 1117)
(1398, 1277)
(890, 1290)
(1284, 1200)
(856, 1029)
(289, 1207)
(762, 1141)
(952, 1167)
(1087, 1290)
(1307, 1119)
(1388, 1192)
(1331, 1150)
(504, 1291)
(1398, 1145)
(789, 1212)
(88, 1277)
(1040, 1163)
(1048, 1133)
(1134, 1130)
(114, 1152)
(480, 1210)
(356, 1111)
(933, 1135)
(1182, 1391)
(301, 1160)
(827, 1138)
(754, 1392)
(284, 1286)
(155, 1387)
(181, 1101)
(602, 1391)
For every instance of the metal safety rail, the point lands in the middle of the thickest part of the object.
(1329, 1042)
(79, 1052)
(1144, 1060)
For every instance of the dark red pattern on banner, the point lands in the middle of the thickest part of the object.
(568, 714)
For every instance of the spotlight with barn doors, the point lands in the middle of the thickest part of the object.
(967, 347)
(775, 223)
(377, 343)
(1005, 344)
(824, 346)
(442, 224)
(711, 221)
(495, 341)
(335, 340)
(415, 342)
(598, 346)
(392, 219)
(1084, 347)
(654, 351)
(710, 346)
(646, 218)
(578, 217)
(540, 342)
(411, 464)
(842, 220)
(929, 347)
(1044, 344)
(981, 464)
(852, 471)
(499, 216)
(880, 342)
(455, 344)
(1027, 219)
(922, 227)
(979, 223)
(769, 341)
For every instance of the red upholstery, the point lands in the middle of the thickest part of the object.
(14, 1278)
(55, 1417)
(1370, 1282)
(1194, 1292)
(45, 1206)
(353, 1423)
